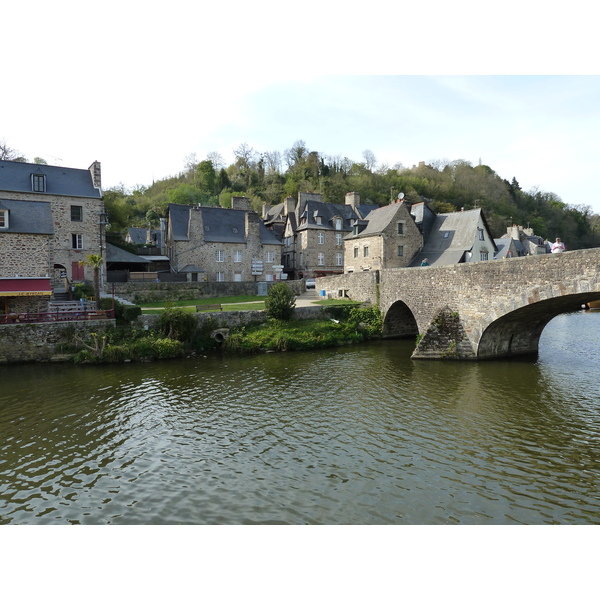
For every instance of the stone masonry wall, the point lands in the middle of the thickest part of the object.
(144, 291)
(40, 342)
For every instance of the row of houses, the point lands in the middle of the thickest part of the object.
(52, 217)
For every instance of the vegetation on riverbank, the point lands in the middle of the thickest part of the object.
(178, 335)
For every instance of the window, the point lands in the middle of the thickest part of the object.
(338, 239)
(76, 213)
(321, 237)
(269, 256)
(77, 241)
(480, 232)
(269, 277)
(321, 258)
(356, 252)
(339, 259)
(237, 256)
(338, 224)
(3, 219)
(220, 276)
(38, 183)
(400, 250)
(366, 251)
(237, 276)
(301, 259)
(220, 254)
(483, 255)
(319, 220)
(400, 228)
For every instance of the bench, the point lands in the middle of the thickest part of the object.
(203, 307)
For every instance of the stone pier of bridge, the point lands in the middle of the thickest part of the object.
(477, 310)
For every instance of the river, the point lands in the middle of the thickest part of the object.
(356, 435)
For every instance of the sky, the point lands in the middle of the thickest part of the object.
(141, 86)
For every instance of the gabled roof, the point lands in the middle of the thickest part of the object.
(379, 219)
(450, 237)
(28, 216)
(60, 181)
(223, 225)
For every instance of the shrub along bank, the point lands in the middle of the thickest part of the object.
(178, 334)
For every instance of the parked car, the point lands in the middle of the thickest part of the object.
(310, 284)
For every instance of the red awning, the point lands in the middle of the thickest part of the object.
(25, 286)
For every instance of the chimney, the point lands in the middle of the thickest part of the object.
(265, 211)
(251, 224)
(353, 199)
(240, 203)
(288, 205)
(96, 174)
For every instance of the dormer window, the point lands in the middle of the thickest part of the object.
(3, 219)
(38, 182)
(338, 224)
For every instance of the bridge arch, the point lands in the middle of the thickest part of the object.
(518, 331)
(399, 321)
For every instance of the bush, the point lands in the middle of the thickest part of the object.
(177, 324)
(280, 302)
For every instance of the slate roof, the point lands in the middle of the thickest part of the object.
(451, 235)
(115, 254)
(223, 225)
(60, 181)
(377, 220)
(28, 216)
(327, 211)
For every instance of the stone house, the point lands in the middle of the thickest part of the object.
(526, 241)
(221, 244)
(457, 237)
(314, 231)
(387, 238)
(51, 218)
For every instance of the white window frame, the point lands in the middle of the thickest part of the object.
(339, 259)
(356, 251)
(321, 236)
(220, 256)
(338, 224)
(321, 259)
(365, 251)
(339, 240)
(77, 241)
(237, 276)
(480, 233)
(220, 276)
(270, 256)
(400, 250)
(238, 256)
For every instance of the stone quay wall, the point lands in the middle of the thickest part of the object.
(144, 291)
(41, 342)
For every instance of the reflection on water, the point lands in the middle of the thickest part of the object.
(354, 435)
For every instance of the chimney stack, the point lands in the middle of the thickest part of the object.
(353, 199)
(96, 174)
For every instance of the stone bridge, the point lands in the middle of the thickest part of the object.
(478, 310)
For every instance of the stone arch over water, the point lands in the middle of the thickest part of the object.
(517, 332)
(399, 321)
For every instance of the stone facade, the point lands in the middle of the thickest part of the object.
(221, 244)
(314, 234)
(76, 219)
(389, 239)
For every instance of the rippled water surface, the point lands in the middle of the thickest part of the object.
(359, 435)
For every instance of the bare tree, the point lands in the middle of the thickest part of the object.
(8, 153)
(217, 160)
(245, 154)
(190, 162)
(273, 162)
(370, 160)
(296, 154)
